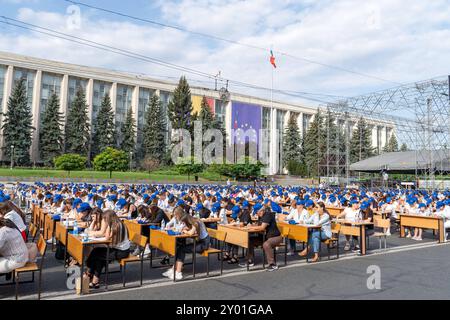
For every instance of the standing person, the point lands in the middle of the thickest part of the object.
(117, 233)
(273, 237)
(320, 218)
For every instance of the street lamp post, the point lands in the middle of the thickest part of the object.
(12, 157)
(131, 160)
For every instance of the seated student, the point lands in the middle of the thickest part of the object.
(192, 226)
(424, 212)
(157, 215)
(97, 227)
(207, 216)
(231, 253)
(7, 212)
(117, 232)
(320, 218)
(84, 212)
(351, 214)
(13, 250)
(174, 224)
(299, 215)
(273, 237)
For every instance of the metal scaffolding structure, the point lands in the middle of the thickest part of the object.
(419, 114)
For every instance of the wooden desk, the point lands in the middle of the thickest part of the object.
(36, 215)
(434, 223)
(335, 211)
(135, 228)
(164, 242)
(76, 248)
(298, 232)
(358, 229)
(239, 236)
(49, 227)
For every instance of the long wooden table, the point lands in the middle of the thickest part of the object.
(358, 229)
(239, 236)
(434, 223)
(164, 242)
(76, 248)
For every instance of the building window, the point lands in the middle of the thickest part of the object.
(124, 100)
(101, 89)
(165, 98)
(220, 111)
(74, 85)
(144, 98)
(28, 76)
(306, 122)
(51, 83)
(2, 83)
(280, 128)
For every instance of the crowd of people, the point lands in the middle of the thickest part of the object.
(192, 209)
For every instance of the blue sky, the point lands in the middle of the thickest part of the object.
(397, 40)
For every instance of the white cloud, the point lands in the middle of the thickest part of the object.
(397, 40)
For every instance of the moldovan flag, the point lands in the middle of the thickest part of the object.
(272, 59)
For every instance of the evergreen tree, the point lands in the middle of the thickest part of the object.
(206, 116)
(154, 143)
(77, 134)
(404, 147)
(361, 142)
(128, 132)
(51, 142)
(17, 126)
(292, 142)
(104, 133)
(314, 145)
(392, 145)
(180, 107)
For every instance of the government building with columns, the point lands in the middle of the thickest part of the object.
(128, 90)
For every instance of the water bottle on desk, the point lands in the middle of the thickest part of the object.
(75, 228)
(163, 224)
(129, 215)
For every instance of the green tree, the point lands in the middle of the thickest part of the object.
(154, 132)
(392, 145)
(111, 160)
(205, 115)
(404, 147)
(104, 131)
(361, 142)
(180, 107)
(314, 144)
(187, 166)
(77, 134)
(292, 142)
(246, 169)
(128, 132)
(70, 162)
(51, 142)
(17, 126)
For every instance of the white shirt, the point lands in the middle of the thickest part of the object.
(297, 216)
(352, 215)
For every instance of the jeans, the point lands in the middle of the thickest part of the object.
(183, 248)
(315, 239)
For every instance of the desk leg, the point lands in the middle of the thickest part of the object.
(441, 231)
(402, 230)
(81, 271)
(194, 258)
(362, 239)
(248, 248)
(107, 267)
(65, 248)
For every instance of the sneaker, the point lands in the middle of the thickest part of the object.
(244, 264)
(419, 239)
(272, 267)
(290, 253)
(388, 232)
(50, 241)
(178, 276)
(408, 235)
(136, 252)
(168, 273)
(347, 247)
(356, 248)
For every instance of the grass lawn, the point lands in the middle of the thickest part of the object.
(160, 175)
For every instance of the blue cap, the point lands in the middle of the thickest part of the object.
(275, 207)
(198, 207)
(245, 204)
(112, 197)
(422, 205)
(258, 206)
(300, 202)
(180, 202)
(76, 202)
(364, 205)
(235, 211)
(83, 207)
(121, 203)
(309, 203)
(99, 203)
